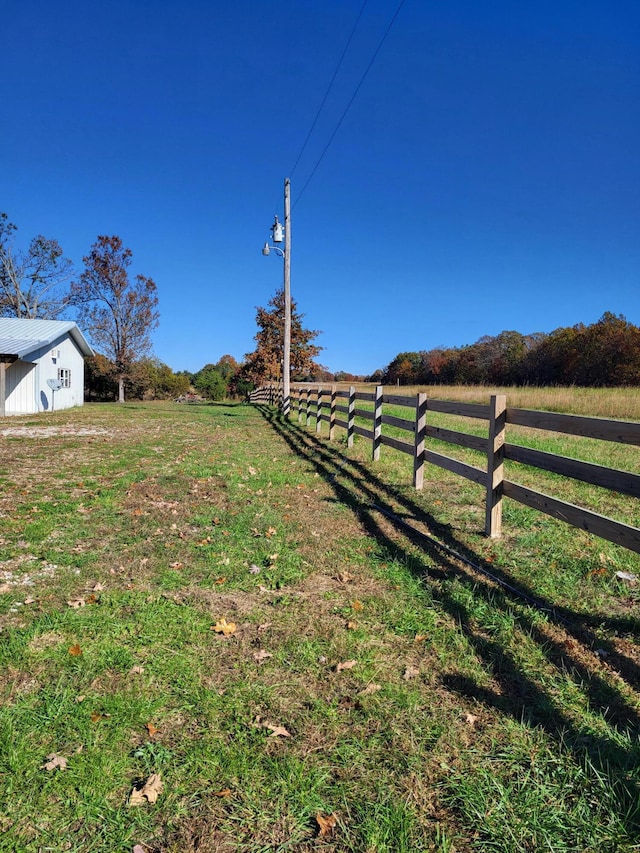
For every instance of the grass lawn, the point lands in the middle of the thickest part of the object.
(214, 640)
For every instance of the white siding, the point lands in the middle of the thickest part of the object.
(50, 362)
(21, 388)
(27, 389)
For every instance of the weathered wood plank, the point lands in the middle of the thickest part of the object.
(399, 400)
(377, 424)
(420, 431)
(369, 398)
(623, 432)
(352, 417)
(495, 466)
(587, 472)
(462, 439)
(364, 413)
(402, 446)
(340, 423)
(460, 468)
(343, 409)
(465, 410)
(332, 413)
(598, 525)
(400, 423)
(363, 431)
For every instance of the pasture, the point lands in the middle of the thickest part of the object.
(216, 637)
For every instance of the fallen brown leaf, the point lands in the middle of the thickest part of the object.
(262, 655)
(136, 670)
(344, 577)
(224, 627)
(419, 638)
(471, 719)
(370, 689)
(326, 824)
(220, 580)
(411, 672)
(55, 762)
(357, 605)
(277, 731)
(270, 532)
(75, 651)
(76, 602)
(225, 792)
(351, 626)
(150, 791)
(96, 716)
(346, 664)
(151, 729)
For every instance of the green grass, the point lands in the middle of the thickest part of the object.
(470, 720)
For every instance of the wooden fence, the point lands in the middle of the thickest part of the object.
(338, 409)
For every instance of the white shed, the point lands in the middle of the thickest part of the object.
(41, 365)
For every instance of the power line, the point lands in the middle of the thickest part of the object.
(351, 100)
(329, 87)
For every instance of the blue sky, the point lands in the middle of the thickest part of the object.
(485, 178)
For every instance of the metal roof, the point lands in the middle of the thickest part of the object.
(19, 338)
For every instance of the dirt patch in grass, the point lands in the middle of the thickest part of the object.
(51, 431)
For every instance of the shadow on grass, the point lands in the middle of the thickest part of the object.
(568, 647)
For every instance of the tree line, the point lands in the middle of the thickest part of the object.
(602, 354)
(118, 313)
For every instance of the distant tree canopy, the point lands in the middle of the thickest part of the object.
(265, 362)
(147, 379)
(118, 314)
(34, 283)
(606, 353)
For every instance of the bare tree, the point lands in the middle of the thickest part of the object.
(118, 314)
(33, 283)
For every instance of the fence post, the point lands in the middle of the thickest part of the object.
(301, 411)
(332, 414)
(495, 465)
(377, 424)
(420, 433)
(319, 408)
(308, 409)
(351, 417)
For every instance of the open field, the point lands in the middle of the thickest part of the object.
(211, 595)
(620, 403)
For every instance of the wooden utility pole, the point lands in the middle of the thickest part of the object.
(286, 359)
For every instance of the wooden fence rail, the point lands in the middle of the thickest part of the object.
(319, 403)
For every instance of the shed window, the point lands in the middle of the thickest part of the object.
(64, 375)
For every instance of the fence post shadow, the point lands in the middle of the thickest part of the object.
(565, 642)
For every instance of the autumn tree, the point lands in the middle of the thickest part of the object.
(117, 313)
(266, 360)
(34, 282)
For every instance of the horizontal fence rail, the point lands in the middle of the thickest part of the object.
(318, 403)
